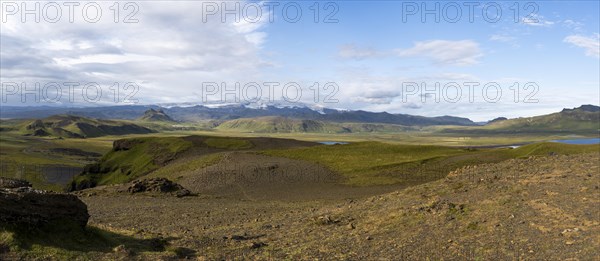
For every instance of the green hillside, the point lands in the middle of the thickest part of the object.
(582, 120)
(375, 163)
(69, 126)
(549, 148)
(129, 159)
(361, 163)
(290, 125)
(132, 158)
(279, 124)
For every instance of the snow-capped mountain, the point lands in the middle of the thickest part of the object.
(227, 111)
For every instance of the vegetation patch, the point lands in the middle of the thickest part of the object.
(70, 126)
(280, 124)
(363, 162)
(130, 159)
(374, 163)
(553, 148)
(582, 120)
(228, 143)
(183, 167)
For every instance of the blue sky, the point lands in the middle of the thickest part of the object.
(370, 53)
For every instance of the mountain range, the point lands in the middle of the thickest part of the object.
(273, 118)
(231, 112)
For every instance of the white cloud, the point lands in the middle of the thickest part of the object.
(461, 53)
(502, 38)
(590, 44)
(536, 20)
(577, 26)
(378, 100)
(455, 77)
(377, 91)
(170, 50)
(351, 51)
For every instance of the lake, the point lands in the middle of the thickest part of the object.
(333, 142)
(580, 141)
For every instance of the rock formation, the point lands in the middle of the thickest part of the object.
(23, 206)
(161, 185)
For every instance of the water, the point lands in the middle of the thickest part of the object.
(60, 174)
(333, 142)
(580, 141)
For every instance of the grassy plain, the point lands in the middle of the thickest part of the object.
(375, 163)
(24, 156)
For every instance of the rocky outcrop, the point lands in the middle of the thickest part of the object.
(161, 185)
(586, 108)
(156, 115)
(21, 205)
(81, 185)
(499, 119)
(37, 124)
(13, 183)
(125, 144)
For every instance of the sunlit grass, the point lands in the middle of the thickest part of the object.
(228, 143)
(374, 163)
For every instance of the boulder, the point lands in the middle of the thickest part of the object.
(27, 207)
(161, 185)
(81, 185)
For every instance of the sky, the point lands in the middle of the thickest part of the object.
(481, 60)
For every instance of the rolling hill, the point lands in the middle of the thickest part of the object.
(69, 126)
(272, 124)
(136, 157)
(170, 157)
(581, 120)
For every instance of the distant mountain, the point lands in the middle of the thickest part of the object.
(384, 117)
(582, 108)
(155, 116)
(238, 111)
(69, 126)
(499, 119)
(273, 124)
(125, 112)
(581, 120)
(196, 113)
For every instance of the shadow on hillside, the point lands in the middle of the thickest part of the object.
(90, 239)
